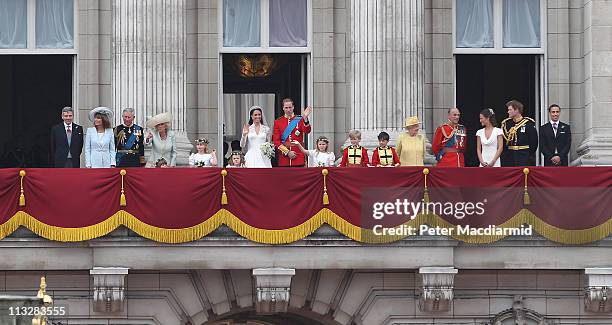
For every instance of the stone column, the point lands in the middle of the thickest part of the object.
(387, 66)
(596, 148)
(149, 55)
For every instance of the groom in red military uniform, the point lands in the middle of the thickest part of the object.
(288, 128)
(449, 141)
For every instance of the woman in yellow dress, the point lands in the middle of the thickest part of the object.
(411, 145)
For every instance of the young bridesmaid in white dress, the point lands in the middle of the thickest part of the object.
(489, 140)
(319, 157)
(203, 158)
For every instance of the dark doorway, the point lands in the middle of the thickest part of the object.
(278, 74)
(490, 81)
(263, 80)
(33, 91)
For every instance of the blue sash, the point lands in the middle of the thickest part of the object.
(292, 125)
(449, 144)
(130, 141)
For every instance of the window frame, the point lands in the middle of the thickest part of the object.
(31, 34)
(265, 33)
(498, 34)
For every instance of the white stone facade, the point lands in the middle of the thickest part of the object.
(578, 69)
(336, 281)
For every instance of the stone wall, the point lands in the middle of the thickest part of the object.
(330, 296)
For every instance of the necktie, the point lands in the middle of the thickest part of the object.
(69, 134)
(555, 128)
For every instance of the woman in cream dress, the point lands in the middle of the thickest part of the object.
(161, 140)
(411, 145)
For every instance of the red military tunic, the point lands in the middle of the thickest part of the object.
(354, 156)
(280, 124)
(385, 156)
(449, 156)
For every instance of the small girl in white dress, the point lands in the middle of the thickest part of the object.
(203, 158)
(489, 148)
(236, 160)
(319, 157)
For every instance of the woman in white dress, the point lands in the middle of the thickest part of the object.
(254, 135)
(489, 140)
(203, 158)
(161, 140)
(100, 140)
(319, 157)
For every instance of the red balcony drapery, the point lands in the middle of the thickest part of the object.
(282, 205)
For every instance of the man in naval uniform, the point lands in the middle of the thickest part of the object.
(129, 141)
(520, 135)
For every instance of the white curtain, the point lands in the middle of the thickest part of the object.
(241, 23)
(474, 23)
(288, 26)
(236, 111)
(521, 23)
(55, 24)
(13, 24)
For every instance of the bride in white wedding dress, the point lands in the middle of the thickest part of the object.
(254, 135)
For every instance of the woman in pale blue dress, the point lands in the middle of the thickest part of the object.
(100, 140)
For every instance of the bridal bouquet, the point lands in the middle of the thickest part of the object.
(267, 149)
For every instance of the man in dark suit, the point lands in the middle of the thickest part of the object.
(66, 142)
(555, 139)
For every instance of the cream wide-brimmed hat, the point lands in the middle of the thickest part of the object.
(101, 110)
(159, 119)
(413, 120)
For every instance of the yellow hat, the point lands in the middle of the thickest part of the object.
(413, 120)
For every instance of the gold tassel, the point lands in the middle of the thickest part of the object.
(122, 201)
(425, 190)
(526, 199)
(22, 202)
(224, 195)
(325, 196)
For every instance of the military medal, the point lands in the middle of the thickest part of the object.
(297, 133)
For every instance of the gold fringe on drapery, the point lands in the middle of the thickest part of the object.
(22, 201)
(285, 236)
